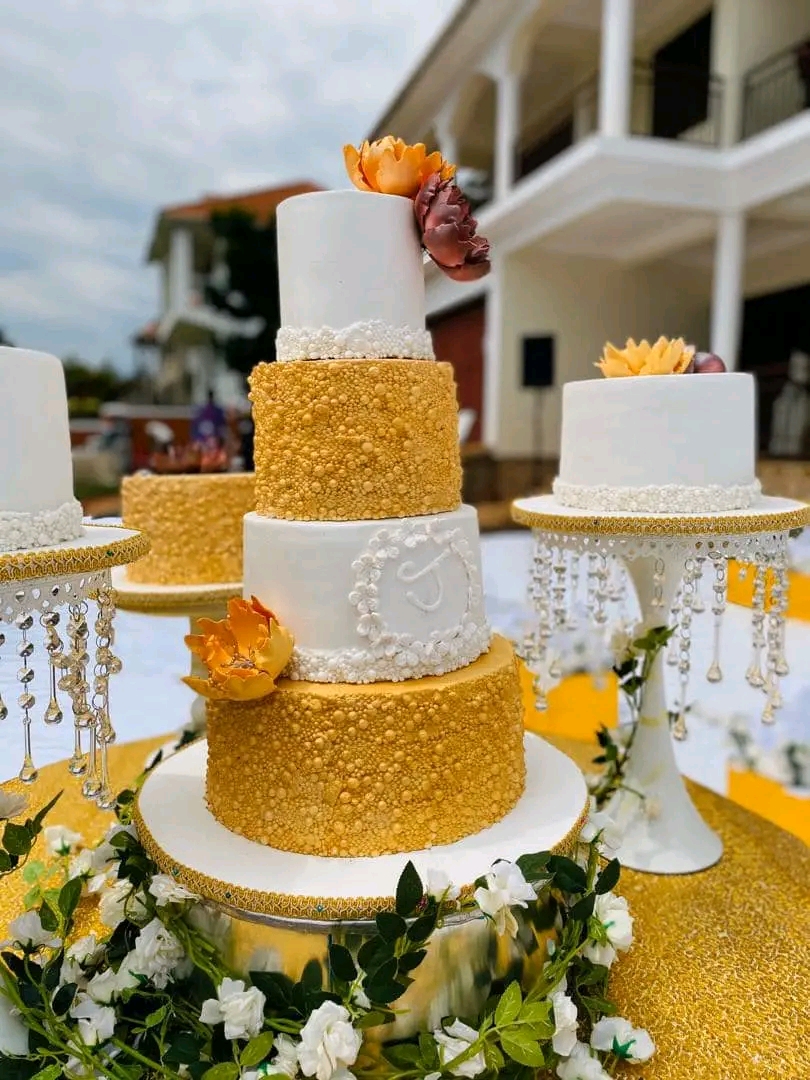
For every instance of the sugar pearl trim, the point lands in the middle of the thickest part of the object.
(664, 499)
(366, 340)
(41, 529)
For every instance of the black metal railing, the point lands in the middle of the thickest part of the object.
(667, 102)
(776, 89)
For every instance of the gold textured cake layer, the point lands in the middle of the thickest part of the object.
(194, 522)
(339, 769)
(351, 440)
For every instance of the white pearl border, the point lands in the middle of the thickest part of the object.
(392, 657)
(664, 499)
(44, 528)
(366, 340)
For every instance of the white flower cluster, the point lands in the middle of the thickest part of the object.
(505, 888)
(652, 499)
(612, 1034)
(368, 339)
(42, 529)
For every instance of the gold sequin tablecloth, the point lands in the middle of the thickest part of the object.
(720, 970)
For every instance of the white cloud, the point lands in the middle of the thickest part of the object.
(110, 109)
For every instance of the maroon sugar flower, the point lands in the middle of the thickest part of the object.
(448, 230)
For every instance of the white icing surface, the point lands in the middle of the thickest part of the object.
(348, 258)
(37, 474)
(41, 529)
(172, 803)
(669, 499)
(370, 340)
(663, 433)
(371, 601)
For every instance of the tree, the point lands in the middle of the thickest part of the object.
(89, 387)
(250, 287)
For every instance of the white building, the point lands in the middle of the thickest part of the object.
(188, 333)
(646, 171)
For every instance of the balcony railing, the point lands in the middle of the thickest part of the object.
(777, 89)
(678, 103)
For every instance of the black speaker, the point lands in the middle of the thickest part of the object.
(538, 361)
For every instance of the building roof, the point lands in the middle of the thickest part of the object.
(261, 204)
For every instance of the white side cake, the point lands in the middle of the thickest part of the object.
(352, 279)
(659, 444)
(37, 505)
(369, 601)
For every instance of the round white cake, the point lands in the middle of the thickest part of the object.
(659, 444)
(37, 505)
(351, 278)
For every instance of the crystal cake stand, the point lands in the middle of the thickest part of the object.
(665, 556)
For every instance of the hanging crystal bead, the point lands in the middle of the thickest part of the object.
(25, 675)
(542, 600)
(698, 605)
(754, 674)
(776, 607)
(3, 707)
(560, 588)
(672, 649)
(658, 583)
(53, 646)
(684, 647)
(600, 615)
(715, 672)
(573, 591)
(105, 666)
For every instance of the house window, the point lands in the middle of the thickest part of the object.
(681, 81)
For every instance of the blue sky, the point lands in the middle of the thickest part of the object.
(110, 109)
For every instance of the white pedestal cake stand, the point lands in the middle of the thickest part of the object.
(664, 833)
(192, 601)
(34, 584)
(286, 908)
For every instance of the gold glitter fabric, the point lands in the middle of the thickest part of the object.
(719, 969)
(194, 522)
(78, 558)
(353, 440)
(339, 769)
(291, 905)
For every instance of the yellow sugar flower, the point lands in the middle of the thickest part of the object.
(390, 166)
(665, 357)
(244, 653)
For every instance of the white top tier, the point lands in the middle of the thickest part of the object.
(351, 277)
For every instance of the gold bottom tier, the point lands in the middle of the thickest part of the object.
(194, 522)
(353, 770)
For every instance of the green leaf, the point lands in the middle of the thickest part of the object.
(384, 973)
(403, 1055)
(583, 909)
(524, 1053)
(430, 1052)
(63, 998)
(122, 840)
(257, 1050)
(183, 1050)
(533, 866)
(33, 872)
(43, 813)
(374, 952)
(509, 1005)
(125, 798)
(609, 877)
(312, 975)
(535, 1012)
(157, 1017)
(493, 1057)
(48, 918)
(390, 925)
(69, 897)
(373, 1019)
(17, 839)
(568, 876)
(341, 963)
(422, 928)
(411, 961)
(277, 988)
(228, 1070)
(409, 890)
(6, 862)
(50, 1072)
(385, 992)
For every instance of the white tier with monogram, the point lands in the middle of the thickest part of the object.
(37, 505)
(659, 444)
(351, 278)
(372, 601)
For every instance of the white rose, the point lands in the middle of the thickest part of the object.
(581, 1065)
(285, 1062)
(215, 927)
(506, 887)
(439, 886)
(329, 1043)
(621, 640)
(157, 955)
(617, 922)
(167, 891)
(96, 1022)
(83, 953)
(120, 901)
(454, 1040)
(60, 840)
(618, 1036)
(11, 804)
(82, 865)
(27, 930)
(13, 1032)
(103, 987)
(565, 1024)
(602, 826)
(241, 1010)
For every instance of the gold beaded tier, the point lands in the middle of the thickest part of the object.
(194, 522)
(353, 770)
(352, 440)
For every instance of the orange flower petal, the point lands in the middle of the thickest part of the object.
(275, 652)
(258, 606)
(246, 625)
(237, 689)
(352, 158)
(201, 686)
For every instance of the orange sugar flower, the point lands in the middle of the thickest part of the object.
(391, 167)
(665, 357)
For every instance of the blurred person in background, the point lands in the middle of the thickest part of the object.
(210, 425)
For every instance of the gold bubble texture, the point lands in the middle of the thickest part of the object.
(349, 770)
(353, 440)
(194, 522)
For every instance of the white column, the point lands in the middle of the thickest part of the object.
(727, 287)
(507, 127)
(181, 267)
(493, 357)
(616, 71)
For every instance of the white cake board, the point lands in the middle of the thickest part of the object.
(185, 839)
